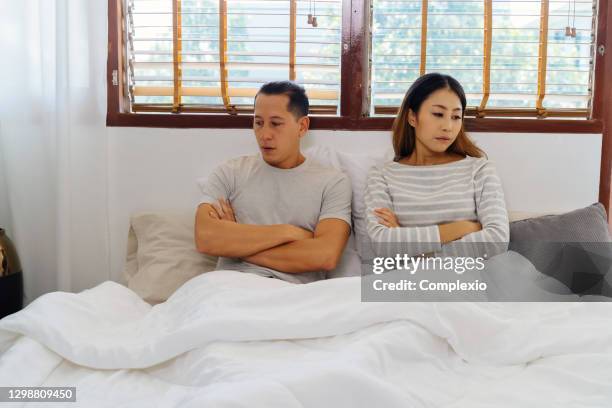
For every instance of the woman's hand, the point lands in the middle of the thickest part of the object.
(473, 226)
(456, 230)
(386, 217)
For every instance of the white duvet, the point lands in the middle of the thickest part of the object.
(229, 339)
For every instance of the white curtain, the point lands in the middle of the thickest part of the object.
(53, 141)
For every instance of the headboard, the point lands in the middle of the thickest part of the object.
(156, 169)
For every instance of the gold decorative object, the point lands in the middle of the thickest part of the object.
(11, 277)
(312, 13)
(570, 29)
(9, 260)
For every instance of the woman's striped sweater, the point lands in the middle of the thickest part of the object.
(422, 197)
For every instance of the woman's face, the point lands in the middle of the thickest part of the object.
(438, 122)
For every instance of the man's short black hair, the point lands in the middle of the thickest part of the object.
(298, 101)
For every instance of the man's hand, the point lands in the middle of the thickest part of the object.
(386, 217)
(321, 251)
(298, 234)
(218, 233)
(301, 233)
(222, 211)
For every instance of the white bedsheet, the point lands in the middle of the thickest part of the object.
(228, 339)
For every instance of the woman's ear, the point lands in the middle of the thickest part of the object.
(412, 120)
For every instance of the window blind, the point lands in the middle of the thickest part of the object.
(213, 55)
(512, 57)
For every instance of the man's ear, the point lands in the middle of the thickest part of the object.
(412, 118)
(304, 123)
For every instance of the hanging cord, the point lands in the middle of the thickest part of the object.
(310, 12)
(568, 30)
(574, 22)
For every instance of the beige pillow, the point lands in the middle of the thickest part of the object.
(162, 255)
(131, 263)
(524, 215)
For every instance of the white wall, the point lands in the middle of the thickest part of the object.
(153, 169)
(5, 209)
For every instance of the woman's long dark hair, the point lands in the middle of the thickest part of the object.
(404, 137)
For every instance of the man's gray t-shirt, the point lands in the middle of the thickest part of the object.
(264, 195)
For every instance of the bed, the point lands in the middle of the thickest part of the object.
(183, 335)
(227, 339)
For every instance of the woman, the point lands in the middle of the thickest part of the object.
(439, 188)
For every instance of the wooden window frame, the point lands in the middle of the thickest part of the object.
(354, 98)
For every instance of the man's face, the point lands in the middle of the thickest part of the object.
(277, 130)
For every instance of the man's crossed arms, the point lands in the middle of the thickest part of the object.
(282, 247)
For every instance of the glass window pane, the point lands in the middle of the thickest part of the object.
(455, 46)
(258, 49)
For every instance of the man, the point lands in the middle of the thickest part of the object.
(278, 213)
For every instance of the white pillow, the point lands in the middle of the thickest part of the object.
(131, 262)
(163, 256)
(356, 166)
(350, 263)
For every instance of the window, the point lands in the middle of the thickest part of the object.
(513, 57)
(213, 56)
(205, 59)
